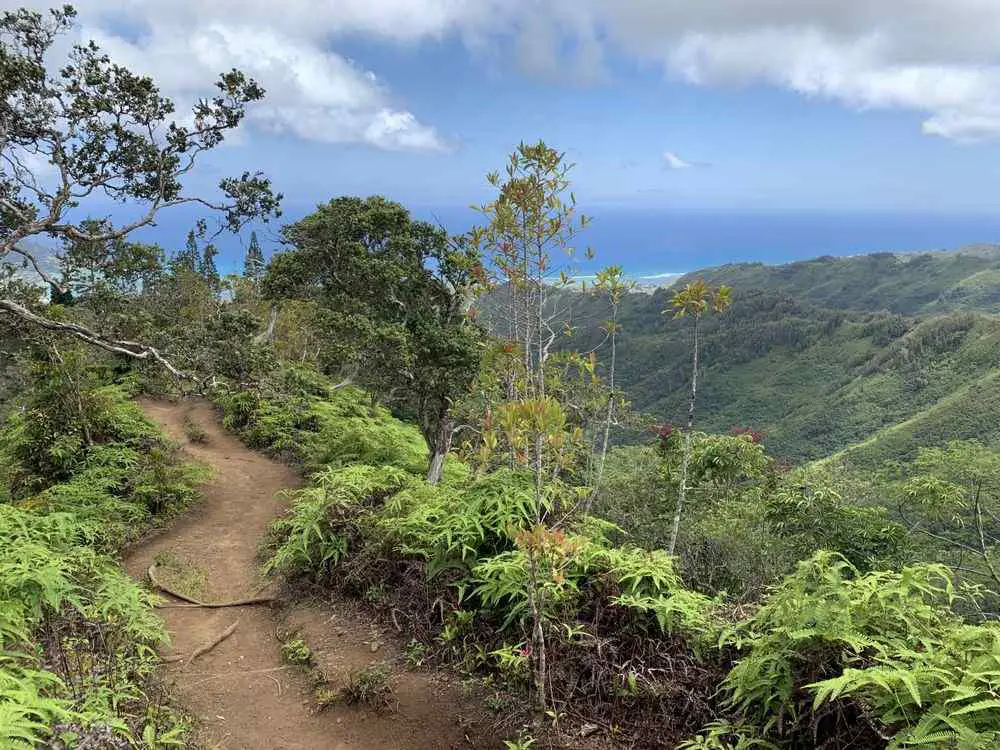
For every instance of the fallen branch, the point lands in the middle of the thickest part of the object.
(193, 603)
(236, 673)
(204, 649)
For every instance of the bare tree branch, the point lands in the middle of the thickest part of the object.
(987, 560)
(38, 269)
(131, 349)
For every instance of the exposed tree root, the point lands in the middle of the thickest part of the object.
(191, 602)
(275, 680)
(201, 650)
(206, 647)
(239, 673)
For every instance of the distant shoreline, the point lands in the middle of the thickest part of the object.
(644, 278)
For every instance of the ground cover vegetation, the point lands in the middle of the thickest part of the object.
(668, 573)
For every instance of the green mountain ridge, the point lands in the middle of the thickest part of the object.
(867, 357)
(968, 413)
(907, 283)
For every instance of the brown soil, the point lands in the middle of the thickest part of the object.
(241, 693)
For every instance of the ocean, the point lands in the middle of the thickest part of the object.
(657, 242)
(650, 243)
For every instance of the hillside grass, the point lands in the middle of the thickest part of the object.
(813, 379)
(971, 412)
(904, 283)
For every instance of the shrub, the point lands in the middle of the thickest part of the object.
(451, 526)
(325, 517)
(194, 432)
(835, 654)
(317, 426)
(295, 651)
(370, 686)
(77, 635)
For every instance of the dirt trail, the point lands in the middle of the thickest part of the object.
(241, 692)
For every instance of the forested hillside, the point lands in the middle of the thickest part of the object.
(905, 283)
(589, 506)
(823, 354)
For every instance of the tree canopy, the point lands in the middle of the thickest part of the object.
(102, 132)
(393, 296)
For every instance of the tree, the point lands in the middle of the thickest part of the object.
(103, 281)
(253, 264)
(952, 498)
(611, 282)
(532, 219)
(207, 267)
(391, 295)
(107, 267)
(694, 300)
(189, 258)
(102, 133)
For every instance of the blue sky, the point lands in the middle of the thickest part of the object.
(752, 148)
(775, 107)
(758, 147)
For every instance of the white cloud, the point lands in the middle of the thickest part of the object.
(940, 58)
(38, 165)
(673, 161)
(313, 93)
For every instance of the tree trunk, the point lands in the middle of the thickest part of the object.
(540, 386)
(610, 413)
(538, 655)
(686, 460)
(267, 335)
(440, 444)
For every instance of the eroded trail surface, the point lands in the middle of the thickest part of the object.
(241, 692)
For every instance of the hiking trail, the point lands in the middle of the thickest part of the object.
(241, 692)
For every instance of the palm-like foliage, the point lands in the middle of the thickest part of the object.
(694, 300)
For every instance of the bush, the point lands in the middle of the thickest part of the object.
(836, 656)
(325, 518)
(296, 652)
(61, 592)
(317, 426)
(194, 432)
(371, 687)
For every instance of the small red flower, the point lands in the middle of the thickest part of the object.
(662, 430)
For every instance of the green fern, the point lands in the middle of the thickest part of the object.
(892, 641)
(56, 570)
(313, 538)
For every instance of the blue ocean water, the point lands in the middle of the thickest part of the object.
(648, 243)
(652, 242)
